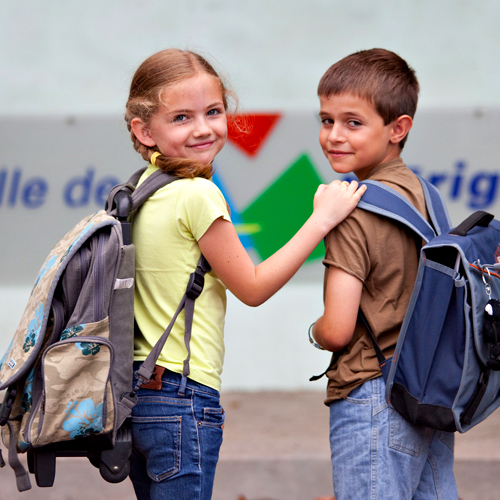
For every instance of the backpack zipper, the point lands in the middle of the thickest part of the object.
(98, 273)
(84, 264)
(57, 326)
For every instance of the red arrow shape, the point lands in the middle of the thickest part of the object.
(249, 132)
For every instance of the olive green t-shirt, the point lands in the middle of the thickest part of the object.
(384, 256)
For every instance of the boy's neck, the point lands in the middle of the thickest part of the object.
(380, 166)
(392, 153)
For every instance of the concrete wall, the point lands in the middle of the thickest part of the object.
(66, 67)
(65, 56)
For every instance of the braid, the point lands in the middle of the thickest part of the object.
(184, 168)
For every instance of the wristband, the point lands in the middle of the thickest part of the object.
(313, 342)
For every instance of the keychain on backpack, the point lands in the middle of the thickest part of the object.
(491, 325)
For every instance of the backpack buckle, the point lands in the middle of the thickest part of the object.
(8, 403)
(195, 285)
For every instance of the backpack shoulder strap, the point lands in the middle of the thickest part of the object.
(126, 197)
(150, 185)
(436, 207)
(383, 200)
(122, 200)
(193, 291)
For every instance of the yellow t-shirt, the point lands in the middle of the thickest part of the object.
(165, 232)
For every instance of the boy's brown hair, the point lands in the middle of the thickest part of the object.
(379, 76)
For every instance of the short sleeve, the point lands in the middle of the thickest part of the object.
(199, 204)
(346, 246)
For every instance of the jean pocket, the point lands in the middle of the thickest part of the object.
(159, 440)
(213, 417)
(448, 439)
(361, 395)
(208, 410)
(406, 437)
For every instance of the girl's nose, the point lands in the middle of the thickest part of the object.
(202, 127)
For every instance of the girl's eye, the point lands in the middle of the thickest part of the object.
(180, 118)
(213, 112)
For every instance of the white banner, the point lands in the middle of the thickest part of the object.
(54, 171)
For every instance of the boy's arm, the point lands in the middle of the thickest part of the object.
(334, 330)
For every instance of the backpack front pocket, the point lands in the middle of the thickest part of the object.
(77, 392)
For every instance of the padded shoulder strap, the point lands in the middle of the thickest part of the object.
(137, 196)
(436, 207)
(383, 200)
(154, 182)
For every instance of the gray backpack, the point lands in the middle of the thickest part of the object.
(68, 372)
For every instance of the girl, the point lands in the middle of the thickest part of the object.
(176, 113)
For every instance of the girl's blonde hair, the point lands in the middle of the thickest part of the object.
(155, 75)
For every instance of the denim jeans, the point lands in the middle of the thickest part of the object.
(176, 441)
(377, 454)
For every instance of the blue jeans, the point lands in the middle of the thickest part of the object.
(377, 454)
(176, 441)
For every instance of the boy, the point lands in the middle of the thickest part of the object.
(368, 101)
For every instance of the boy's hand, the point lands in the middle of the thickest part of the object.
(335, 201)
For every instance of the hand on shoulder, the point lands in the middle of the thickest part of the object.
(335, 201)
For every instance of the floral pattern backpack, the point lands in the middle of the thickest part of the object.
(68, 372)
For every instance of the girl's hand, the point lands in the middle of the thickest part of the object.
(335, 201)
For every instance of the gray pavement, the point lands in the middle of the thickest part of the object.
(275, 448)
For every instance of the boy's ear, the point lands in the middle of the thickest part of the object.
(400, 128)
(141, 131)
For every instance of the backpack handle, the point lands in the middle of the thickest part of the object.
(479, 218)
(123, 201)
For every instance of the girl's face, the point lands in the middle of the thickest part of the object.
(191, 124)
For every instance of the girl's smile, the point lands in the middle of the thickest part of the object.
(202, 145)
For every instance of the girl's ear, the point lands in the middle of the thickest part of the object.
(141, 131)
(400, 128)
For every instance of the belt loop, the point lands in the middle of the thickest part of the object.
(380, 390)
(182, 388)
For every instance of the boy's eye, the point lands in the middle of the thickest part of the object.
(327, 121)
(354, 123)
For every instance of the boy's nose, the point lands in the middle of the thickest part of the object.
(336, 134)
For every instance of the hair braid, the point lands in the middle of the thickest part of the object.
(179, 167)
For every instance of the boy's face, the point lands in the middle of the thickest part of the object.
(353, 135)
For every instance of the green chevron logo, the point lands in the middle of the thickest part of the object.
(279, 211)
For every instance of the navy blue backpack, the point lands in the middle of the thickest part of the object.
(445, 371)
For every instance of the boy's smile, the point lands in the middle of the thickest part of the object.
(353, 135)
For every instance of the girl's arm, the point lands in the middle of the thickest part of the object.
(252, 284)
(334, 330)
